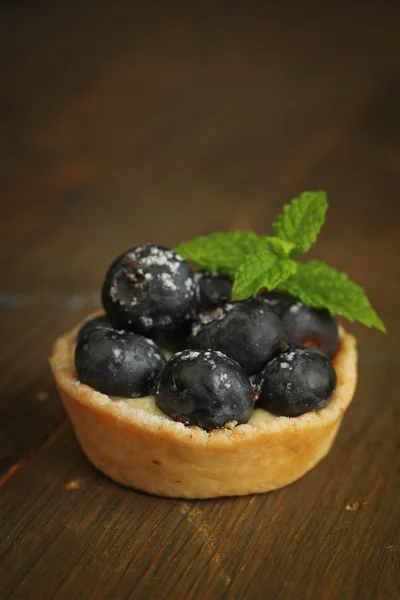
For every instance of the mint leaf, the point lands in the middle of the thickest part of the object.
(221, 251)
(280, 247)
(261, 269)
(321, 286)
(301, 220)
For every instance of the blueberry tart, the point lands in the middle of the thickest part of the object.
(216, 368)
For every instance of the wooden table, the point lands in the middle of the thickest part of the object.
(121, 124)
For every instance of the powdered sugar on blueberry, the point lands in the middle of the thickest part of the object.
(185, 388)
(150, 290)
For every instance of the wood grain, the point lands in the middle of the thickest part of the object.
(121, 124)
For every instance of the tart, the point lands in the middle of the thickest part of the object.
(258, 373)
(137, 445)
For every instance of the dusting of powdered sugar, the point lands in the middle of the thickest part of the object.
(156, 259)
(187, 355)
(272, 301)
(168, 282)
(212, 315)
(174, 267)
(189, 284)
(117, 352)
(223, 378)
(295, 308)
(153, 350)
(287, 360)
(146, 321)
(216, 314)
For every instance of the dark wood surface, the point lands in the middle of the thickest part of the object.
(122, 123)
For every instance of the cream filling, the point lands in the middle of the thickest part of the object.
(148, 404)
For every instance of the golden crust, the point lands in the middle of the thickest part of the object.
(152, 453)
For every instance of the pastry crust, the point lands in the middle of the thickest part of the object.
(153, 453)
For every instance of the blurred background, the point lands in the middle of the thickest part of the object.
(125, 122)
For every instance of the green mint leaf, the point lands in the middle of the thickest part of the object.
(301, 220)
(263, 269)
(281, 247)
(221, 251)
(321, 286)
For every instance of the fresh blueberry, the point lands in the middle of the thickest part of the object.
(295, 382)
(118, 363)
(215, 289)
(204, 388)
(280, 301)
(150, 290)
(100, 322)
(250, 332)
(304, 325)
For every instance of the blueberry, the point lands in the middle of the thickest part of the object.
(304, 325)
(295, 382)
(250, 332)
(118, 363)
(204, 388)
(150, 290)
(280, 301)
(100, 322)
(215, 289)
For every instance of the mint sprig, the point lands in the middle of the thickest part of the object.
(282, 248)
(257, 261)
(301, 220)
(264, 269)
(321, 286)
(223, 251)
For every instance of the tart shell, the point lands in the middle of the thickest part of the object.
(152, 453)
